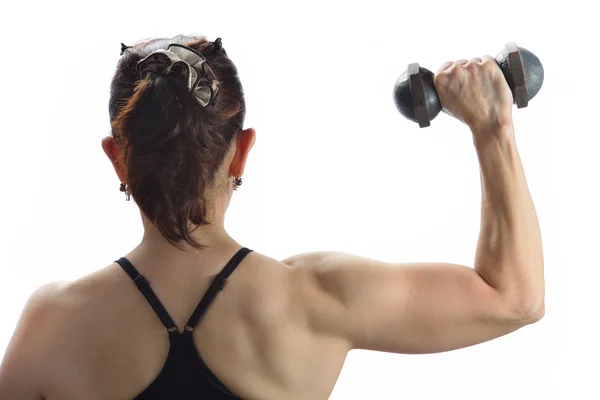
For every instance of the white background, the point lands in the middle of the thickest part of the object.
(335, 167)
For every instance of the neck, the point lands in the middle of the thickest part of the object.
(213, 237)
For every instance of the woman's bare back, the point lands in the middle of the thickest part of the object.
(107, 342)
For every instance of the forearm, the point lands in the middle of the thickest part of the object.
(509, 251)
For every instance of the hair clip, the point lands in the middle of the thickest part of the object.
(217, 45)
(187, 63)
(125, 47)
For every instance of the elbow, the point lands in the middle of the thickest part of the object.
(531, 312)
(538, 313)
(527, 305)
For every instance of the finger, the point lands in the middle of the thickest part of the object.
(445, 66)
(461, 62)
(475, 60)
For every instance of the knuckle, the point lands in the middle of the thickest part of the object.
(489, 64)
(471, 66)
(452, 69)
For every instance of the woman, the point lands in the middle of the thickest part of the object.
(192, 314)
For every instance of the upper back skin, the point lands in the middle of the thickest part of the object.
(104, 341)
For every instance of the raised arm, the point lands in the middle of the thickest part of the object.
(434, 307)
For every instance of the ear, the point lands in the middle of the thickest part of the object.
(244, 141)
(112, 152)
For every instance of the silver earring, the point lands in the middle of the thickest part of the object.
(237, 182)
(123, 188)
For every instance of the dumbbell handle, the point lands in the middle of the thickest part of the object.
(416, 98)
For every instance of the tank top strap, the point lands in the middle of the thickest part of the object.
(144, 286)
(216, 286)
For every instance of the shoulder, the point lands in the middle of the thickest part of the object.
(24, 362)
(46, 293)
(42, 303)
(39, 341)
(329, 271)
(46, 312)
(318, 282)
(43, 307)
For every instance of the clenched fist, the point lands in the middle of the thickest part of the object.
(476, 93)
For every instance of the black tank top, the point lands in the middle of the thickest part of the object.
(184, 374)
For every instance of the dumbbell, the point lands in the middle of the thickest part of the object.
(416, 98)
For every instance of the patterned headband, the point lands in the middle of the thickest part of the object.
(187, 63)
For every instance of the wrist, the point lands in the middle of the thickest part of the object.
(503, 136)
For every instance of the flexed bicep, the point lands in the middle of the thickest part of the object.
(406, 308)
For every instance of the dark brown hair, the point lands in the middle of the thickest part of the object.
(171, 145)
